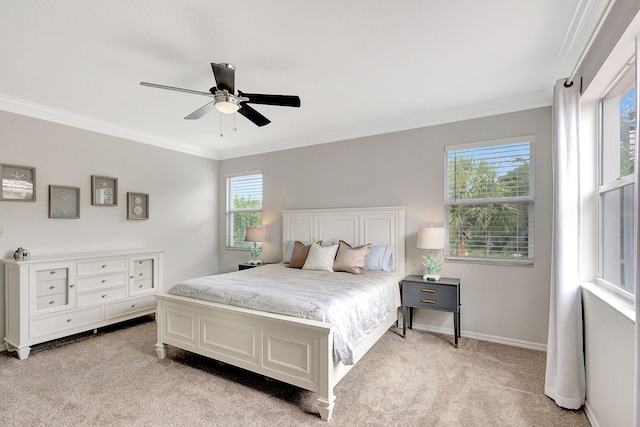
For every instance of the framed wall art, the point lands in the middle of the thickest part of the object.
(18, 183)
(104, 191)
(137, 206)
(64, 202)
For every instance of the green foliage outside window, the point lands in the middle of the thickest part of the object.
(243, 219)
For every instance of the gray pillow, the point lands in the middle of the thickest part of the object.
(380, 258)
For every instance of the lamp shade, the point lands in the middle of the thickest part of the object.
(254, 234)
(431, 238)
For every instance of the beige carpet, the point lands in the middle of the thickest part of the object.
(115, 378)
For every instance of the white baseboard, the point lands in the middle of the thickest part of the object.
(3, 348)
(483, 337)
(590, 415)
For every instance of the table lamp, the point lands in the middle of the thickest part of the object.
(431, 238)
(255, 235)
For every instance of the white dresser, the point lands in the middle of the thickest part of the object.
(51, 297)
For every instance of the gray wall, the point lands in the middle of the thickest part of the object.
(508, 304)
(182, 195)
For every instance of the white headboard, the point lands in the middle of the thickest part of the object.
(357, 226)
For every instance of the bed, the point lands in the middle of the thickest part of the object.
(300, 351)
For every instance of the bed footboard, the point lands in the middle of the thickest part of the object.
(292, 350)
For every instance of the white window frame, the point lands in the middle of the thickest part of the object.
(230, 211)
(618, 183)
(502, 200)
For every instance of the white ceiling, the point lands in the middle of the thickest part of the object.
(359, 67)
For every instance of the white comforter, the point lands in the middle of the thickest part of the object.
(355, 304)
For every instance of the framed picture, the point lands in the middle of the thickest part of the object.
(137, 206)
(104, 191)
(64, 202)
(18, 183)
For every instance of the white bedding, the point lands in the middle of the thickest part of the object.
(355, 304)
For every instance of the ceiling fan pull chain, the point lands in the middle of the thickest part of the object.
(235, 123)
(221, 126)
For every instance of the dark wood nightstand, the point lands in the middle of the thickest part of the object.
(441, 295)
(246, 266)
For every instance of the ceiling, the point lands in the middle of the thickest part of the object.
(359, 67)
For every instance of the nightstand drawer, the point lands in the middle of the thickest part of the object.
(432, 303)
(427, 290)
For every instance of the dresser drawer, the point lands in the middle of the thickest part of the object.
(52, 324)
(97, 297)
(51, 301)
(143, 263)
(54, 274)
(143, 273)
(129, 306)
(99, 267)
(97, 282)
(142, 285)
(51, 287)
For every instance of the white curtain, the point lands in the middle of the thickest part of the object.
(565, 375)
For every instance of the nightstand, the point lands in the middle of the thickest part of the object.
(441, 295)
(246, 266)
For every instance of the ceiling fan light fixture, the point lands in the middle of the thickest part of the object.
(227, 104)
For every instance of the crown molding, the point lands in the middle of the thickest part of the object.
(485, 109)
(517, 103)
(583, 23)
(38, 111)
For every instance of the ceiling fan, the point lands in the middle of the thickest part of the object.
(226, 101)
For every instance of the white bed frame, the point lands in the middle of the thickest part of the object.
(293, 350)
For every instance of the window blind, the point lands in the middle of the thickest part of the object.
(244, 207)
(489, 201)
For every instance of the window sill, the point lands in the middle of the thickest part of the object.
(616, 302)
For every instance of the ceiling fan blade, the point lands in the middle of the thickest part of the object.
(281, 100)
(251, 114)
(201, 111)
(178, 89)
(225, 76)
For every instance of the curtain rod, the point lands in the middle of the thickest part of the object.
(569, 81)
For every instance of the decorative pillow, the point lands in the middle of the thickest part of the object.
(351, 260)
(299, 254)
(320, 258)
(380, 258)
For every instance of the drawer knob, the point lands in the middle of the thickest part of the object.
(52, 287)
(430, 301)
(51, 302)
(68, 320)
(104, 280)
(133, 305)
(71, 285)
(429, 290)
(104, 296)
(131, 277)
(52, 272)
(104, 265)
(140, 274)
(140, 286)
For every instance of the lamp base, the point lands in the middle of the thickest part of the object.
(431, 277)
(254, 262)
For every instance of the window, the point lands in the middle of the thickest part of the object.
(617, 157)
(489, 201)
(244, 207)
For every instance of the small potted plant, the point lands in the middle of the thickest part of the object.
(433, 266)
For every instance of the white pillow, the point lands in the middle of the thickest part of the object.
(320, 258)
